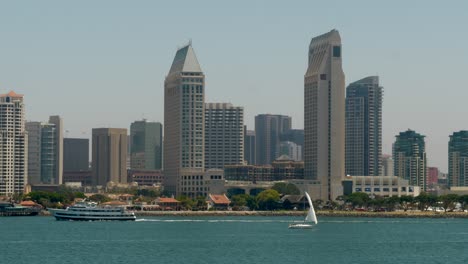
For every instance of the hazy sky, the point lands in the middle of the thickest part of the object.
(103, 63)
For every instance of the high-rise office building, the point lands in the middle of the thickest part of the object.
(387, 166)
(224, 135)
(291, 149)
(75, 154)
(45, 151)
(13, 144)
(432, 177)
(109, 157)
(268, 131)
(249, 146)
(364, 127)
(458, 159)
(146, 145)
(409, 155)
(57, 121)
(324, 115)
(184, 124)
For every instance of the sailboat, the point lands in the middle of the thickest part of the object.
(309, 219)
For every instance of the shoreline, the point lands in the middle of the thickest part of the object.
(396, 214)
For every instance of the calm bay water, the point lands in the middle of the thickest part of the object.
(233, 240)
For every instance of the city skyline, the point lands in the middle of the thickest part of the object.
(80, 61)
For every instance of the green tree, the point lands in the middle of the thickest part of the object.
(186, 203)
(99, 198)
(391, 202)
(286, 188)
(268, 199)
(358, 199)
(200, 203)
(406, 201)
(463, 200)
(449, 201)
(425, 201)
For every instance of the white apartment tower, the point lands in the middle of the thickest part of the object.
(184, 125)
(224, 135)
(324, 115)
(13, 144)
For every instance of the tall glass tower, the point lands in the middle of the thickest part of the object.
(458, 159)
(409, 155)
(184, 124)
(364, 127)
(324, 115)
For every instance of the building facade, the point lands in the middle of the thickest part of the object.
(458, 159)
(13, 144)
(109, 156)
(184, 122)
(291, 149)
(249, 146)
(75, 154)
(146, 145)
(387, 165)
(280, 170)
(224, 135)
(45, 151)
(324, 115)
(363, 149)
(268, 131)
(409, 156)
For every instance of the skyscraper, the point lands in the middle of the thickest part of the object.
(45, 151)
(387, 165)
(268, 130)
(146, 145)
(291, 149)
(184, 123)
(13, 144)
(249, 146)
(109, 156)
(57, 121)
(324, 115)
(224, 135)
(364, 127)
(409, 155)
(458, 159)
(75, 154)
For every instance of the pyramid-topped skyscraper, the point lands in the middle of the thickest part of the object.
(184, 124)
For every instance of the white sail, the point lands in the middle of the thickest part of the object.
(311, 217)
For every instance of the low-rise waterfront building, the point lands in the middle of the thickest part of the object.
(146, 177)
(384, 186)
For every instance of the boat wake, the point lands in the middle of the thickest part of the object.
(212, 220)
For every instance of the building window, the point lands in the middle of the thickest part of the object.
(336, 51)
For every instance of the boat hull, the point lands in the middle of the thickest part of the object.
(300, 226)
(65, 215)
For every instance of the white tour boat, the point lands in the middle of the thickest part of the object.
(89, 211)
(310, 218)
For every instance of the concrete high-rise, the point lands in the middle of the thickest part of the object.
(13, 144)
(45, 151)
(57, 121)
(109, 157)
(291, 149)
(324, 115)
(224, 135)
(75, 154)
(409, 155)
(387, 166)
(146, 145)
(268, 131)
(364, 127)
(249, 146)
(184, 123)
(458, 159)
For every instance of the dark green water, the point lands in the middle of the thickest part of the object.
(233, 240)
